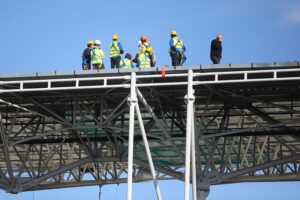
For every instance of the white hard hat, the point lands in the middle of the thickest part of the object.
(98, 42)
(139, 43)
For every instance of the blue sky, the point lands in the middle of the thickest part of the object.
(52, 34)
(171, 190)
(48, 35)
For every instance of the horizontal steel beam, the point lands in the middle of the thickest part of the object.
(104, 82)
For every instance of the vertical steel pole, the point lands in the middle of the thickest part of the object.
(194, 172)
(150, 161)
(4, 137)
(131, 101)
(189, 100)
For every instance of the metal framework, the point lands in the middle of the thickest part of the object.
(200, 124)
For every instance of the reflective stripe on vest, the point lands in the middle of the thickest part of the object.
(114, 49)
(178, 44)
(97, 56)
(125, 64)
(144, 60)
(144, 46)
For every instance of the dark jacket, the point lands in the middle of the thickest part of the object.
(86, 56)
(216, 48)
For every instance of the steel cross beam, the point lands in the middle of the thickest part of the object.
(240, 172)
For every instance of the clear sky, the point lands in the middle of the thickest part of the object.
(48, 35)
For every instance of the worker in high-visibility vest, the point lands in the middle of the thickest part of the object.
(176, 50)
(86, 56)
(115, 52)
(145, 59)
(127, 63)
(145, 44)
(97, 56)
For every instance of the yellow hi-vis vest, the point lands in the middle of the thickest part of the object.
(178, 44)
(114, 49)
(97, 56)
(125, 64)
(144, 60)
(144, 47)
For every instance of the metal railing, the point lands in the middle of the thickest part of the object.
(123, 81)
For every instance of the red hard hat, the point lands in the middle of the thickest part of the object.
(143, 38)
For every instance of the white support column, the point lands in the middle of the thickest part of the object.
(194, 171)
(149, 157)
(132, 102)
(189, 100)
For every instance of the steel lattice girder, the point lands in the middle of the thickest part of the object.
(54, 139)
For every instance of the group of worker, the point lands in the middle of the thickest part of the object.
(145, 57)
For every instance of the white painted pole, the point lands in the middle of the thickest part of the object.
(150, 161)
(194, 172)
(131, 101)
(189, 99)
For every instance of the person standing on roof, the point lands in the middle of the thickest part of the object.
(176, 50)
(216, 49)
(86, 56)
(145, 44)
(127, 63)
(135, 60)
(116, 50)
(145, 59)
(97, 56)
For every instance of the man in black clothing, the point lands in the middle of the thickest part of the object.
(86, 56)
(216, 49)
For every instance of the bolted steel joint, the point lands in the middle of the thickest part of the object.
(189, 98)
(132, 101)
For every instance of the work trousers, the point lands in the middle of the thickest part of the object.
(215, 60)
(176, 59)
(86, 67)
(98, 66)
(115, 62)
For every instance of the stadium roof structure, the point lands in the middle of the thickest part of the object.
(204, 125)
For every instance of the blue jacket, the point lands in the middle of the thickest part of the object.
(120, 47)
(174, 49)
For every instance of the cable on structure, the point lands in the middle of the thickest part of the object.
(100, 191)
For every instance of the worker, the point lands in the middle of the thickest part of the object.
(127, 63)
(176, 50)
(145, 59)
(116, 50)
(97, 56)
(86, 56)
(145, 44)
(135, 60)
(216, 49)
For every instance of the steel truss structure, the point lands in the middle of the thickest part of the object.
(198, 124)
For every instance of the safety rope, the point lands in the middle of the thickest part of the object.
(100, 191)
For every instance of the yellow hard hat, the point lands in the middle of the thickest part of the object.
(149, 49)
(115, 37)
(173, 33)
(90, 42)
